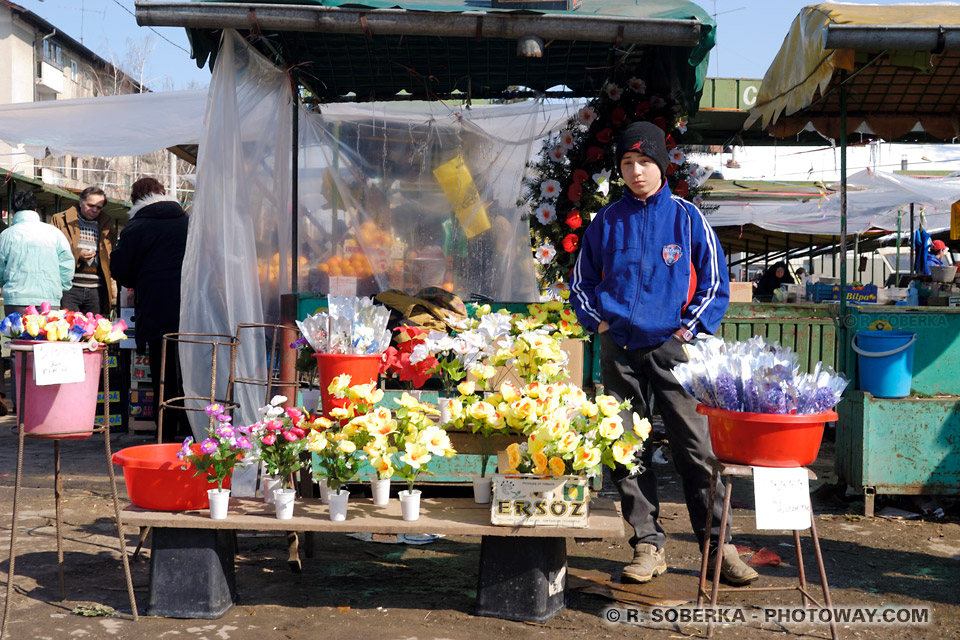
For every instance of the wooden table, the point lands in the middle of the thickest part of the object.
(522, 569)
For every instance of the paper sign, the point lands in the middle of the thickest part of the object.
(782, 497)
(57, 363)
(343, 286)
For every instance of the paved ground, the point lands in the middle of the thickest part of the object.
(356, 589)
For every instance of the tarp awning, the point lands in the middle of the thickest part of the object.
(438, 48)
(903, 62)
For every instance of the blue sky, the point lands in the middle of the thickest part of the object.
(749, 35)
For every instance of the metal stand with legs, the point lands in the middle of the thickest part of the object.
(25, 349)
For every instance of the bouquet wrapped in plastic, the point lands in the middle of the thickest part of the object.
(350, 325)
(757, 377)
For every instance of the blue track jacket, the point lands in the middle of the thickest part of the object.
(647, 267)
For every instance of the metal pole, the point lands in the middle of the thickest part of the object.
(843, 220)
(295, 194)
(913, 257)
(896, 282)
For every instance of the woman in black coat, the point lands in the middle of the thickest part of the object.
(771, 281)
(148, 259)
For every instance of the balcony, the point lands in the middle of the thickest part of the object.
(50, 80)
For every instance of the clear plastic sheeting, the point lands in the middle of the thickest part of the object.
(410, 195)
(239, 219)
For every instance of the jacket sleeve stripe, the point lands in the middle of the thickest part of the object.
(577, 289)
(714, 274)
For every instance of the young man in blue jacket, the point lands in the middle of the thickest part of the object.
(651, 276)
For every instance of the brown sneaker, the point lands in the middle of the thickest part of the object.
(732, 568)
(648, 562)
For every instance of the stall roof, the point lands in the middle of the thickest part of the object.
(53, 199)
(438, 48)
(902, 63)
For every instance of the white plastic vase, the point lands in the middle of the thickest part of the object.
(219, 501)
(270, 484)
(380, 488)
(482, 487)
(444, 410)
(410, 504)
(283, 503)
(338, 505)
(324, 490)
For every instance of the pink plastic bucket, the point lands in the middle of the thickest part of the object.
(66, 411)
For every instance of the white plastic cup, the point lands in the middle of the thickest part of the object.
(380, 487)
(283, 503)
(482, 487)
(219, 502)
(410, 504)
(338, 505)
(324, 490)
(270, 484)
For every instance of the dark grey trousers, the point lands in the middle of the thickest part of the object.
(631, 375)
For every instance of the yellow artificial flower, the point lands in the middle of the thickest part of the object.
(416, 455)
(340, 413)
(551, 370)
(586, 457)
(103, 329)
(622, 451)
(407, 401)
(513, 455)
(557, 466)
(608, 405)
(588, 410)
(435, 440)
(321, 423)
(482, 310)
(339, 386)
(454, 408)
(611, 428)
(641, 427)
(539, 462)
(382, 465)
(524, 408)
(467, 388)
(568, 442)
(553, 306)
(509, 392)
(316, 441)
(483, 411)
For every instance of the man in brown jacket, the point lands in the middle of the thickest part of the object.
(92, 235)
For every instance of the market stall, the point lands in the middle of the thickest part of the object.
(882, 71)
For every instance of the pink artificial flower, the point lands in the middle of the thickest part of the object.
(290, 436)
(269, 439)
(294, 414)
(44, 307)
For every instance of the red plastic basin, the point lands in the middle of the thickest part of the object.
(155, 480)
(765, 439)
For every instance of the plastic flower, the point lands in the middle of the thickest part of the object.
(566, 140)
(208, 446)
(641, 427)
(513, 455)
(682, 126)
(338, 387)
(580, 176)
(657, 102)
(587, 115)
(557, 466)
(613, 91)
(545, 252)
(574, 221)
(611, 428)
(586, 457)
(558, 153)
(550, 189)
(546, 213)
(637, 85)
(602, 178)
(676, 156)
(416, 455)
(571, 242)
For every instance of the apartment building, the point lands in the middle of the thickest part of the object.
(40, 61)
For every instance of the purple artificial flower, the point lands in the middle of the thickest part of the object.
(209, 445)
(726, 388)
(226, 431)
(214, 409)
(299, 342)
(243, 443)
(222, 417)
(185, 448)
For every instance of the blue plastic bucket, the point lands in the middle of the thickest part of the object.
(885, 362)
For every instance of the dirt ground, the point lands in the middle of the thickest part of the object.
(356, 589)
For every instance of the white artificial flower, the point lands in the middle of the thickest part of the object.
(657, 102)
(637, 85)
(613, 91)
(550, 189)
(278, 400)
(556, 290)
(698, 200)
(602, 179)
(587, 115)
(566, 140)
(558, 153)
(546, 253)
(682, 126)
(546, 213)
(419, 353)
(676, 156)
(494, 325)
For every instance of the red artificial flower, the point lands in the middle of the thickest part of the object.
(570, 243)
(670, 142)
(268, 439)
(672, 169)
(580, 176)
(618, 115)
(603, 136)
(574, 192)
(573, 219)
(683, 188)
(594, 154)
(642, 109)
(661, 122)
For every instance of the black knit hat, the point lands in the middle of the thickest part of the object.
(647, 139)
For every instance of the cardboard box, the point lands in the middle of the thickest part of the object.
(540, 501)
(741, 292)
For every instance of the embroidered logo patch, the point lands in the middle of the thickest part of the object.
(672, 253)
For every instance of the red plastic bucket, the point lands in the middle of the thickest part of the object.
(65, 411)
(362, 369)
(765, 439)
(155, 480)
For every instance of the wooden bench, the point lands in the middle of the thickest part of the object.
(522, 569)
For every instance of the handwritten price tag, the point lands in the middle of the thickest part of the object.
(57, 363)
(782, 498)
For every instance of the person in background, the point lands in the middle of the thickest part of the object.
(36, 264)
(651, 276)
(148, 259)
(938, 254)
(92, 235)
(801, 275)
(771, 280)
